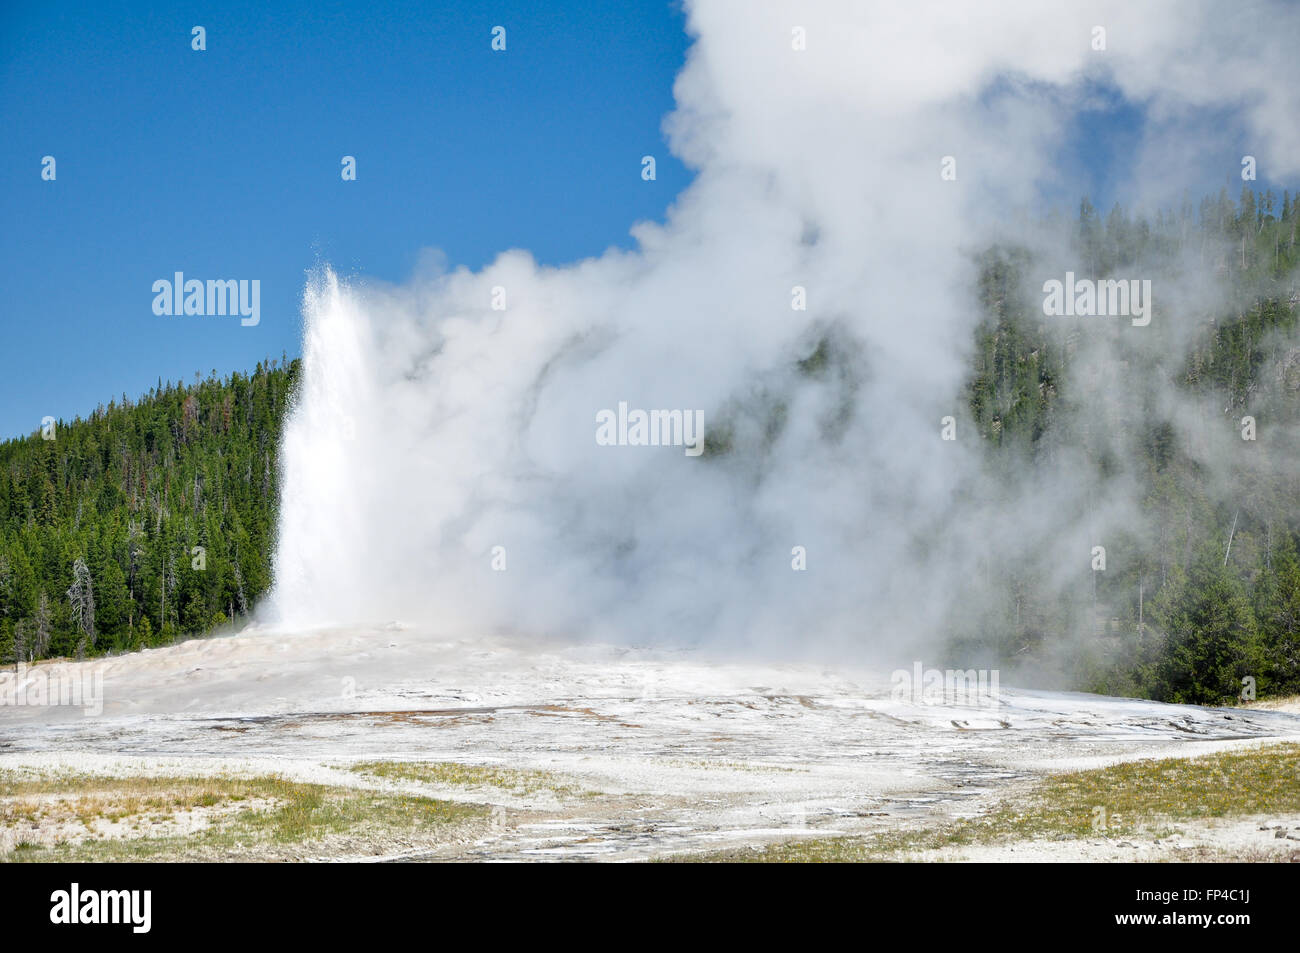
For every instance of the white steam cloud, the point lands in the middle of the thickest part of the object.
(431, 428)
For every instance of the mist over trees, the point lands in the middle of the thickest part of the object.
(154, 520)
(1202, 589)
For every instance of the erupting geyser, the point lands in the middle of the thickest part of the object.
(811, 296)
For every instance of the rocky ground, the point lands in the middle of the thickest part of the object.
(579, 752)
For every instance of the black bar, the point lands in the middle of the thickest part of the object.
(330, 902)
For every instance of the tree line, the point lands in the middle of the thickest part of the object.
(143, 522)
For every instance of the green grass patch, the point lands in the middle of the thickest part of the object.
(1115, 802)
(515, 781)
(246, 818)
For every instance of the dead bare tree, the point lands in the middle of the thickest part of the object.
(81, 596)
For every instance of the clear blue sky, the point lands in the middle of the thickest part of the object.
(225, 164)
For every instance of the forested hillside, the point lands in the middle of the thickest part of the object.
(145, 521)
(1202, 590)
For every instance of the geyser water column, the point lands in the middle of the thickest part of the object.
(326, 497)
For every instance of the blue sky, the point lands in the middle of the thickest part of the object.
(225, 164)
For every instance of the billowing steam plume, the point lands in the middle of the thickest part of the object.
(433, 428)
